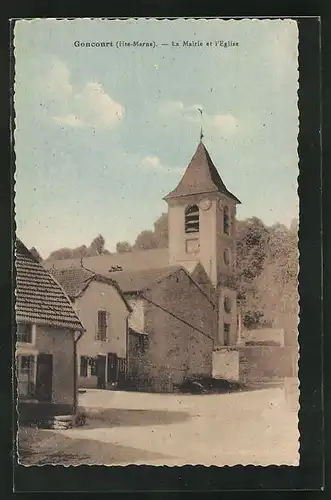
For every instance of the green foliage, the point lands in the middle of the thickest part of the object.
(154, 239)
(97, 247)
(123, 246)
(36, 254)
(145, 241)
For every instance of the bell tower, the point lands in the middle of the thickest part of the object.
(202, 228)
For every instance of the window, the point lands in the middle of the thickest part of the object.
(227, 305)
(83, 366)
(226, 334)
(226, 257)
(24, 333)
(143, 343)
(226, 220)
(121, 365)
(25, 368)
(192, 219)
(94, 366)
(102, 325)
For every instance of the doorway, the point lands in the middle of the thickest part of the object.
(44, 377)
(112, 369)
(101, 371)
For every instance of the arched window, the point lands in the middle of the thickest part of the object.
(192, 219)
(226, 220)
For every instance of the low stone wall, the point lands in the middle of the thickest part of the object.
(262, 363)
(226, 364)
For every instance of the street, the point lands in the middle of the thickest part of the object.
(254, 427)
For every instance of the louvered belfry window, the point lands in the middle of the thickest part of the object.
(192, 219)
(226, 220)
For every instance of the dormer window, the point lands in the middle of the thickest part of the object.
(226, 220)
(192, 219)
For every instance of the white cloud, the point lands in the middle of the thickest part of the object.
(98, 107)
(89, 106)
(70, 120)
(153, 163)
(225, 124)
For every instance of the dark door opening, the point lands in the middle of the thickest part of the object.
(44, 377)
(101, 370)
(112, 369)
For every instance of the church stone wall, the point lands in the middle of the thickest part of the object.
(176, 349)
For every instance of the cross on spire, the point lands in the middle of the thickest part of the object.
(201, 133)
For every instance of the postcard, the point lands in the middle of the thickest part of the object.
(156, 246)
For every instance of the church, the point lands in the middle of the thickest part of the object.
(202, 219)
(184, 319)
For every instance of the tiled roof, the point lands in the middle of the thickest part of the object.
(137, 260)
(39, 297)
(201, 176)
(136, 281)
(75, 281)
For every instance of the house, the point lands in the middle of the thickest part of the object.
(103, 309)
(171, 327)
(48, 331)
(202, 243)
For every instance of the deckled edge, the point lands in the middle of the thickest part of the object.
(13, 22)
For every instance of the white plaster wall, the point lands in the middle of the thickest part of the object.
(101, 296)
(59, 343)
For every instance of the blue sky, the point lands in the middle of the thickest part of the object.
(102, 134)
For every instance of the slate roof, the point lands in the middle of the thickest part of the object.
(137, 260)
(76, 280)
(201, 176)
(39, 297)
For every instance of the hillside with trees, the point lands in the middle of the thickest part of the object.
(97, 247)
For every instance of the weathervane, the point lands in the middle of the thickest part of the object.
(201, 134)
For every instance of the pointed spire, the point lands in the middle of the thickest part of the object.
(201, 176)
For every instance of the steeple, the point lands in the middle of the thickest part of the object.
(201, 176)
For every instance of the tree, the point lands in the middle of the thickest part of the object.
(145, 241)
(161, 231)
(252, 241)
(97, 247)
(123, 246)
(36, 254)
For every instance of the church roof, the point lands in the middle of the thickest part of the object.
(137, 281)
(201, 176)
(142, 259)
